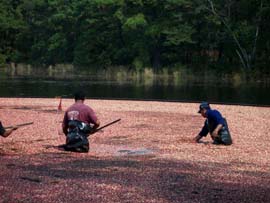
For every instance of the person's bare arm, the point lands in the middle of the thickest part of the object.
(96, 125)
(65, 124)
(9, 131)
(215, 132)
(197, 138)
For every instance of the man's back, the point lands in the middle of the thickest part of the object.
(76, 117)
(81, 112)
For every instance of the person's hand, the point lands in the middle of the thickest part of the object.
(214, 133)
(15, 127)
(9, 131)
(93, 131)
(197, 138)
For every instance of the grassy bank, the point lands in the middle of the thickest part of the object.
(176, 75)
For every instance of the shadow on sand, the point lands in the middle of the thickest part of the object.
(88, 178)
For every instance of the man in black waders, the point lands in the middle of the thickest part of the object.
(214, 124)
(79, 121)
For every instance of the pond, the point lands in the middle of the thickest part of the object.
(247, 94)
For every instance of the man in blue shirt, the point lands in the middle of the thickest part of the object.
(214, 124)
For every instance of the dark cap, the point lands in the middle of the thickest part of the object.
(203, 105)
(79, 95)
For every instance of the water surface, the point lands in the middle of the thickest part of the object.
(254, 94)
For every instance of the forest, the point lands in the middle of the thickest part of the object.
(223, 35)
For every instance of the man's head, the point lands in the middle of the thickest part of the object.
(79, 96)
(204, 106)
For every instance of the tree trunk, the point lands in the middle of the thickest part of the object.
(246, 57)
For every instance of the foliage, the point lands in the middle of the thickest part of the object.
(136, 33)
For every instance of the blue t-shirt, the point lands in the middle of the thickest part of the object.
(214, 118)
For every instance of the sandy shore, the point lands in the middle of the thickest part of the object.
(148, 156)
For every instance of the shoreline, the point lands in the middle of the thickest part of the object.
(150, 100)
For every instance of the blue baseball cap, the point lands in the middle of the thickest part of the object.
(203, 105)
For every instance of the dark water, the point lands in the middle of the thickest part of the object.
(254, 94)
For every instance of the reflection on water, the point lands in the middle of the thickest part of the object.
(221, 93)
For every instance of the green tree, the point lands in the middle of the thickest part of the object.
(137, 33)
(156, 29)
(98, 33)
(11, 23)
(242, 21)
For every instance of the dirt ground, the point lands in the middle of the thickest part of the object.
(147, 157)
